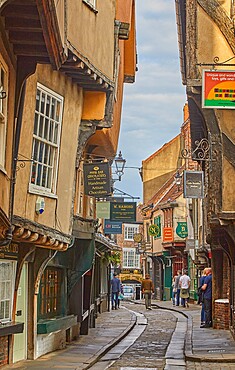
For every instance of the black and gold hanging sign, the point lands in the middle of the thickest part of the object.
(97, 180)
(125, 212)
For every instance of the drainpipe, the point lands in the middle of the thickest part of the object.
(9, 235)
(16, 149)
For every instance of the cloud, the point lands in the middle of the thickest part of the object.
(153, 106)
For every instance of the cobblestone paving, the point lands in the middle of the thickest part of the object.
(149, 349)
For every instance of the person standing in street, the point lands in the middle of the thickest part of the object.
(115, 290)
(176, 289)
(200, 296)
(147, 290)
(207, 298)
(184, 288)
(120, 295)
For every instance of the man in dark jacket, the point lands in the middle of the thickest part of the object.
(115, 289)
(147, 290)
(207, 298)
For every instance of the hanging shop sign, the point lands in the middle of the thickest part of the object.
(125, 212)
(218, 89)
(182, 230)
(138, 237)
(193, 184)
(168, 235)
(97, 179)
(112, 227)
(154, 230)
(103, 210)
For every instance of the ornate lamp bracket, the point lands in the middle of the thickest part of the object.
(202, 152)
(218, 63)
(22, 163)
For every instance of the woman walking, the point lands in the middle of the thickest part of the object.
(184, 288)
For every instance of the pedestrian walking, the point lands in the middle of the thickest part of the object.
(120, 295)
(147, 290)
(200, 296)
(115, 289)
(176, 289)
(207, 298)
(184, 288)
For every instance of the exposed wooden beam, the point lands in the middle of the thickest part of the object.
(29, 25)
(76, 66)
(82, 77)
(31, 50)
(19, 11)
(34, 38)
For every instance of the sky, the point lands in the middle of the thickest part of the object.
(153, 106)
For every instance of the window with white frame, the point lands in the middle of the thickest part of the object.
(46, 140)
(130, 258)
(130, 231)
(7, 274)
(3, 110)
(92, 3)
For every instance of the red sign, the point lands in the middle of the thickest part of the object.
(218, 89)
(168, 235)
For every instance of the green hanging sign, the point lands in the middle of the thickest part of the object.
(154, 230)
(182, 230)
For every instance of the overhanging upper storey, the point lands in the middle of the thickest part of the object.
(33, 31)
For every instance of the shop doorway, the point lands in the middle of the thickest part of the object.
(20, 340)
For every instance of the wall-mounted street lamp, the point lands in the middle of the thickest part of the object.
(119, 165)
(178, 178)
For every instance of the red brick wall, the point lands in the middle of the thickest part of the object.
(3, 351)
(221, 319)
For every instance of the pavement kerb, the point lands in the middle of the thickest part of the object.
(188, 353)
(110, 345)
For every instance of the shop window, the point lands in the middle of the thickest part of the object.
(51, 293)
(3, 111)
(46, 140)
(130, 231)
(7, 278)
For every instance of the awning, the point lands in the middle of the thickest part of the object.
(78, 260)
(104, 244)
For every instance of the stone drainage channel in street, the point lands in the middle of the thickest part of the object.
(174, 357)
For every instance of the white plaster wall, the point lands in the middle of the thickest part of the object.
(50, 342)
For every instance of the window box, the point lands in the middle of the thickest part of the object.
(58, 323)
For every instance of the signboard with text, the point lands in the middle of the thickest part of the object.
(125, 212)
(97, 179)
(153, 230)
(182, 229)
(112, 227)
(193, 184)
(218, 89)
(168, 235)
(103, 210)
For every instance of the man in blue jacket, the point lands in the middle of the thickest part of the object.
(115, 289)
(207, 298)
